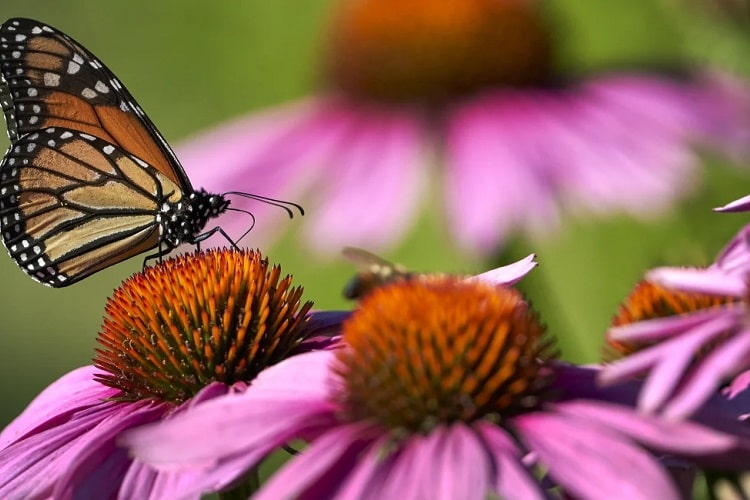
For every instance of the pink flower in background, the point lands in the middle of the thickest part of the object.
(445, 389)
(468, 84)
(689, 357)
(175, 335)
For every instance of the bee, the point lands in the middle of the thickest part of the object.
(372, 272)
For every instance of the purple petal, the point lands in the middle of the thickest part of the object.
(463, 463)
(738, 205)
(283, 401)
(726, 359)
(739, 384)
(369, 479)
(30, 467)
(513, 480)
(492, 183)
(69, 393)
(588, 460)
(331, 454)
(91, 471)
(659, 329)
(510, 274)
(735, 257)
(669, 361)
(411, 471)
(381, 162)
(713, 438)
(711, 281)
(277, 154)
(674, 437)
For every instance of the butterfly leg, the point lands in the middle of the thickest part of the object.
(158, 255)
(211, 232)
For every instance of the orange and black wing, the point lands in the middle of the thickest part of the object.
(50, 80)
(72, 204)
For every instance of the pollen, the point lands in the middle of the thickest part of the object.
(428, 50)
(217, 316)
(439, 350)
(651, 301)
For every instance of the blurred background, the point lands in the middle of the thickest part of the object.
(194, 64)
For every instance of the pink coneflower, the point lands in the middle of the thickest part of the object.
(179, 333)
(445, 389)
(473, 83)
(688, 352)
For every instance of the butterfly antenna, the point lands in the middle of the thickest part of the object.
(287, 206)
(252, 225)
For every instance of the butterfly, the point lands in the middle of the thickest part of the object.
(88, 181)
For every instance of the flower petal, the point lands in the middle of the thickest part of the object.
(510, 274)
(711, 281)
(513, 480)
(374, 184)
(332, 453)
(69, 393)
(284, 401)
(464, 465)
(588, 460)
(723, 361)
(91, 472)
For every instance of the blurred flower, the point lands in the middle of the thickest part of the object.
(445, 389)
(471, 82)
(690, 352)
(179, 333)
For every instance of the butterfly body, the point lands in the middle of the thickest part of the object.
(88, 181)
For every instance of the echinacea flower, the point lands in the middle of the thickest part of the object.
(445, 388)
(472, 83)
(697, 341)
(178, 333)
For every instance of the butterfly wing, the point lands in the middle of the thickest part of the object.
(72, 204)
(50, 80)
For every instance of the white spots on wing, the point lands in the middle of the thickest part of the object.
(51, 79)
(51, 143)
(101, 87)
(36, 30)
(88, 93)
(32, 92)
(88, 137)
(66, 135)
(140, 162)
(20, 37)
(73, 67)
(16, 54)
(32, 120)
(77, 58)
(108, 149)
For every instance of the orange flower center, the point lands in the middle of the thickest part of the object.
(431, 50)
(217, 316)
(650, 301)
(438, 350)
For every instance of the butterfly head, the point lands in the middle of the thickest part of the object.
(184, 220)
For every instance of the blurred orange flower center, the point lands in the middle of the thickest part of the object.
(431, 50)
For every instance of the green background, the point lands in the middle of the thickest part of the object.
(193, 64)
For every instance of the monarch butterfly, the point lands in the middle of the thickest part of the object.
(88, 181)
